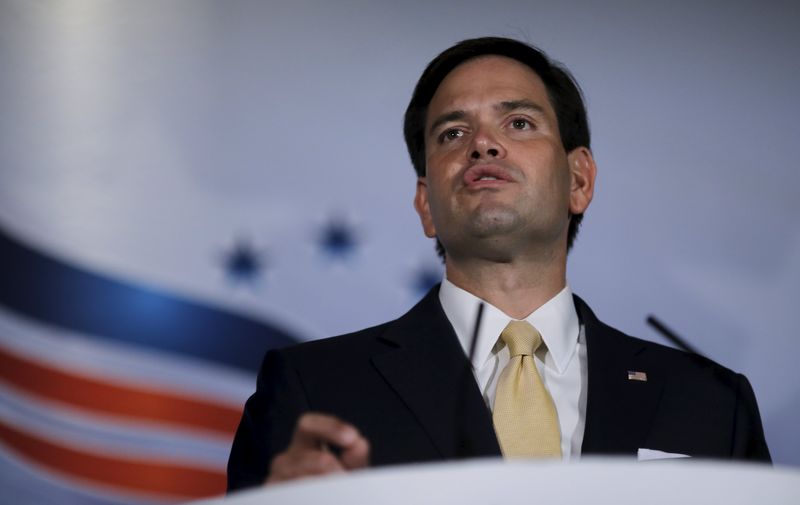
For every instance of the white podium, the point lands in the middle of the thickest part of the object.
(494, 481)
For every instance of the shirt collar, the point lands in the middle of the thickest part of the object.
(556, 320)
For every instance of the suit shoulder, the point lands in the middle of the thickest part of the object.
(339, 343)
(679, 363)
(611, 340)
(374, 339)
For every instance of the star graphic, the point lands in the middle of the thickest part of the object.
(424, 278)
(338, 239)
(243, 263)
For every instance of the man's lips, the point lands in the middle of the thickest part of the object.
(486, 176)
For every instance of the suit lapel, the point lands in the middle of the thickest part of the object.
(429, 371)
(619, 410)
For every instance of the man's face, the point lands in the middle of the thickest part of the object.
(498, 179)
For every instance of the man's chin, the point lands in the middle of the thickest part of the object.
(494, 222)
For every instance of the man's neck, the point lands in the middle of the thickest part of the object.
(516, 288)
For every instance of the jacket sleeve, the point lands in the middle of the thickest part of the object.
(268, 422)
(748, 434)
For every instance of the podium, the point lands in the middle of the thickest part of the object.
(494, 481)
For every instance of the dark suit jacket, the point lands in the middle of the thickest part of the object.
(408, 387)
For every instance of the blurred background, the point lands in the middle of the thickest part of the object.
(185, 184)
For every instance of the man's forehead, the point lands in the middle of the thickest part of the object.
(517, 85)
(490, 60)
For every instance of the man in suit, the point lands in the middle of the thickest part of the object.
(499, 138)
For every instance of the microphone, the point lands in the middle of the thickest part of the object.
(672, 336)
(475, 330)
(463, 447)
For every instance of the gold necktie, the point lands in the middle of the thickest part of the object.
(525, 418)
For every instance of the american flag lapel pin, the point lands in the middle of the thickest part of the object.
(634, 375)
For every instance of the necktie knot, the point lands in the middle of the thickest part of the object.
(521, 338)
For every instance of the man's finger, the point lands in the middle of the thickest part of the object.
(356, 455)
(308, 455)
(302, 463)
(315, 429)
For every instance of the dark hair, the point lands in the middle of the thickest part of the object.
(562, 90)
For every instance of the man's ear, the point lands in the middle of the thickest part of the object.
(582, 170)
(423, 207)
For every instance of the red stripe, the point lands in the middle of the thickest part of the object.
(113, 397)
(130, 475)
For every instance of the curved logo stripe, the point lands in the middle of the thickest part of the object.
(50, 290)
(128, 475)
(102, 395)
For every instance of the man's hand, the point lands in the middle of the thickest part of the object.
(308, 452)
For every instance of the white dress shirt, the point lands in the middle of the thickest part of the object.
(561, 361)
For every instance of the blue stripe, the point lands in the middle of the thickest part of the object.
(50, 290)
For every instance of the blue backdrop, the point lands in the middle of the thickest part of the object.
(185, 184)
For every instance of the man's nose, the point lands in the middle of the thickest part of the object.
(485, 144)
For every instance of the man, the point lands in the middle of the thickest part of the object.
(499, 138)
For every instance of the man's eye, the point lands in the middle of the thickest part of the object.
(452, 134)
(520, 124)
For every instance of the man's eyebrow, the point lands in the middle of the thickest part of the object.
(512, 105)
(454, 115)
(506, 106)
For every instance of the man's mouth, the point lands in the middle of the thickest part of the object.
(486, 176)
